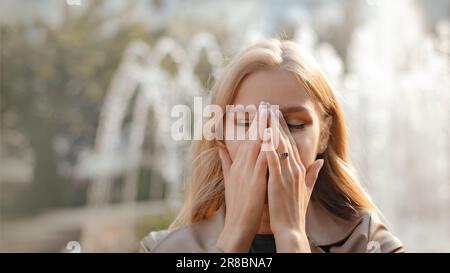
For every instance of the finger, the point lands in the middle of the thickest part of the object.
(312, 173)
(226, 162)
(241, 133)
(287, 133)
(277, 132)
(261, 161)
(286, 145)
(261, 168)
(262, 119)
(273, 162)
(253, 142)
(242, 136)
(240, 150)
(232, 130)
(253, 129)
(278, 135)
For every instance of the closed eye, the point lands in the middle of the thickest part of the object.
(292, 126)
(296, 126)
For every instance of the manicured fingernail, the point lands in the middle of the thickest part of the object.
(272, 112)
(278, 112)
(262, 107)
(263, 110)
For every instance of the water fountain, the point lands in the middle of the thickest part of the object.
(118, 153)
(395, 92)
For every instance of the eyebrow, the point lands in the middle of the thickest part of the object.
(284, 110)
(294, 108)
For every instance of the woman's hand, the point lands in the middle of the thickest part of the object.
(289, 188)
(245, 188)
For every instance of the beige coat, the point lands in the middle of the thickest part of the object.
(325, 231)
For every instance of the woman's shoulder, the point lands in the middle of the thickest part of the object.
(191, 238)
(365, 231)
(195, 237)
(150, 242)
(374, 231)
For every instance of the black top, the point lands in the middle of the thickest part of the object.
(263, 243)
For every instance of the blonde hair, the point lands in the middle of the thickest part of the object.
(337, 188)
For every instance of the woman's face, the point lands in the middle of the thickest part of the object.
(281, 88)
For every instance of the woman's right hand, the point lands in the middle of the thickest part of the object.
(245, 188)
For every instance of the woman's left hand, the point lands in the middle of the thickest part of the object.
(289, 189)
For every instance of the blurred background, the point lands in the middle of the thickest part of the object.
(86, 158)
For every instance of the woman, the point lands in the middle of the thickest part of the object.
(291, 190)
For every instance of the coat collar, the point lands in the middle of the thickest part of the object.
(322, 227)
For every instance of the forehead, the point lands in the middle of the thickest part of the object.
(276, 86)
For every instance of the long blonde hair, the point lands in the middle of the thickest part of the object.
(337, 188)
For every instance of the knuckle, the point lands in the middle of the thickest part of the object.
(297, 173)
(302, 168)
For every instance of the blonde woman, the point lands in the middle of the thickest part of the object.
(299, 193)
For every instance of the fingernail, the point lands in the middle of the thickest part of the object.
(262, 107)
(278, 112)
(275, 114)
(263, 112)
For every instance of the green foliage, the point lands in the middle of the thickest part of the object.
(53, 80)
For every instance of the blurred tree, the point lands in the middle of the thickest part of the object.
(53, 79)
